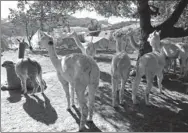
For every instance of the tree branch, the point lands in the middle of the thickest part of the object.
(175, 15)
(174, 32)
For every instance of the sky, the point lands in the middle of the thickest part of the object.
(5, 5)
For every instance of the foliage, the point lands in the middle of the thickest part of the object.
(24, 18)
(111, 8)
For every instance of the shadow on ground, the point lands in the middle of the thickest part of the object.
(40, 110)
(167, 112)
(15, 94)
(91, 126)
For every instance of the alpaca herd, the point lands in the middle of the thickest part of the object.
(81, 70)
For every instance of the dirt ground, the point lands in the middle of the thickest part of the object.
(47, 113)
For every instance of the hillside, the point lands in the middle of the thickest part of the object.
(8, 27)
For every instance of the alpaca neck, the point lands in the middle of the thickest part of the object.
(119, 45)
(156, 46)
(133, 43)
(53, 56)
(21, 51)
(11, 76)
(78, 43)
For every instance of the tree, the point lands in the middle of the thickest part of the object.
(23, 17)
(146, 10)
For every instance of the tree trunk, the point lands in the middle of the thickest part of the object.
(41, 16)
(145, 25)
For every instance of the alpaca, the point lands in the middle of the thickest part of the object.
(150, 65)
(13, 81)
(22, 47)
(171, 50)
(87, 48)
(183, 55)
(27, 68)
(120, 68)
(120, 43)
(80, 71)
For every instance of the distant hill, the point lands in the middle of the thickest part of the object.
(83, 22)
(7, 27)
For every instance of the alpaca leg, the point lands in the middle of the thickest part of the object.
(72, 94)
(92, 91)
(123, 81)
(66, 89)
(180, 61)
(80, 89)
(175, 65)
(35, 84)
(159, 80)
(135, 87)
(114, 91)
(41, 83)
(65, 85)
(121, 92)
(150, 78)
(182, 66)
(23, 84)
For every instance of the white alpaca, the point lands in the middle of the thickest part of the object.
(120, 69)
(150, 65)
(183, 56)
(78, 70)
(27, 68)
(87, 48)
(172, 50)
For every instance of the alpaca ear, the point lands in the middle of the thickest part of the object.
(18, 40)
(154, 32)
(40, 33)
(159, 32)
(23, 40)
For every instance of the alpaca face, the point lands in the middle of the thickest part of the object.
(154, 40)
(70, 35)
(8, 64)
(45, 40)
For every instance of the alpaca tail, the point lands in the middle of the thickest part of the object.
(36, 64)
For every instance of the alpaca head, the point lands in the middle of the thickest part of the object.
(154, 40)
(130, 32)
(118, 34)
(45, 40)
(8, 64)
(24, 43)
(70, 35)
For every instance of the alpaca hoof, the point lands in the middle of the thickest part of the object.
(133, 73)
(68, 109)
(148, 104)
(81, 130)
(135, 102)
(116, 108)
(121, 102)
(90, 121)
(115, 105)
